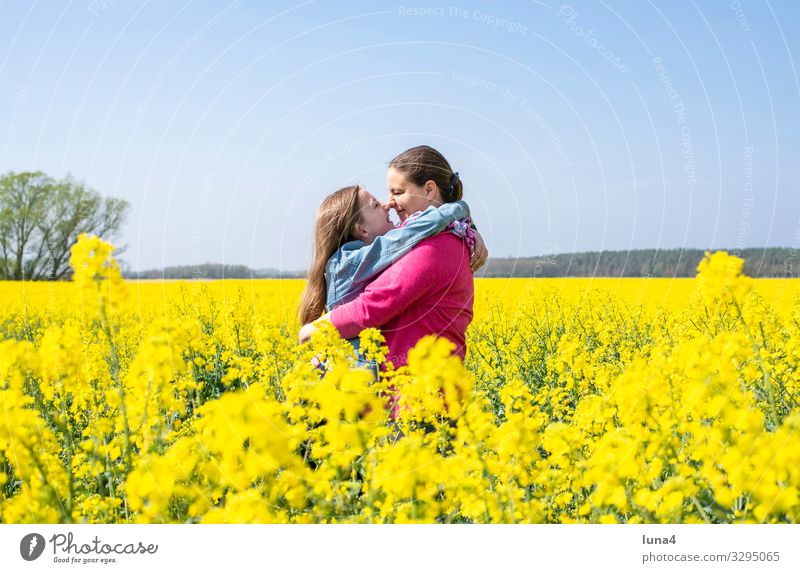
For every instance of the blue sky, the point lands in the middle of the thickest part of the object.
(575, 126)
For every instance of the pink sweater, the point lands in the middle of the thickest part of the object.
(428, 291)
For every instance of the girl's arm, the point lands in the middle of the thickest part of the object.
(480, 255)
(426, 268)
(367, 261)
(386, 249)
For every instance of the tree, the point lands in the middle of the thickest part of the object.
(23, 204)
(41, 218)
(74, 210)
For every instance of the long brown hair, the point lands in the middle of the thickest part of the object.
(422, 164)
(336, 217)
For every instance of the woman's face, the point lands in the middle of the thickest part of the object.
(374, 217)
(407, 198)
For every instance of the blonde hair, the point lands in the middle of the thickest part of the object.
(336, 218)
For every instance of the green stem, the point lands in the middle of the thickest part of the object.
(773, 413)
(115, 375)
(700, 509)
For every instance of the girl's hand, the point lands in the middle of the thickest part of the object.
(480, 255)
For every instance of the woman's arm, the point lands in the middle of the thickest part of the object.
(308, 329)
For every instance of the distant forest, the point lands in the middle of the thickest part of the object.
(669, 263)
(207, 271)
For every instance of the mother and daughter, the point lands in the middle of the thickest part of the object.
(408, 281)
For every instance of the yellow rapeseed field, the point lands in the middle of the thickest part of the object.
(597, 401)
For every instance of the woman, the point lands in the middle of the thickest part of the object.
(354, 241)
(430, 289)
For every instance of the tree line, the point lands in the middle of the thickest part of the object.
(211, 271)
(660, 263)
(663, 263)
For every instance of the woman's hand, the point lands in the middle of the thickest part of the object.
(306, 331)
(480, 255)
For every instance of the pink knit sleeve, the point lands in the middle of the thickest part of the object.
(402, 284)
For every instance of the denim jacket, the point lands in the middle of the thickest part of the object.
(353, 266)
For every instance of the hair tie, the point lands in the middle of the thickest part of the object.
(454, 180)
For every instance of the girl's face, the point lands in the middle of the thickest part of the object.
(374, 217)
(407, 198)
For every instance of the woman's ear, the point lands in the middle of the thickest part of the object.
(430, 188)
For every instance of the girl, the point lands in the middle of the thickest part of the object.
(431, 289)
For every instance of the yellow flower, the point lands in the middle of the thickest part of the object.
(602, 400)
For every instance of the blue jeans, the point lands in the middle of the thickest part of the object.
(360, 362)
